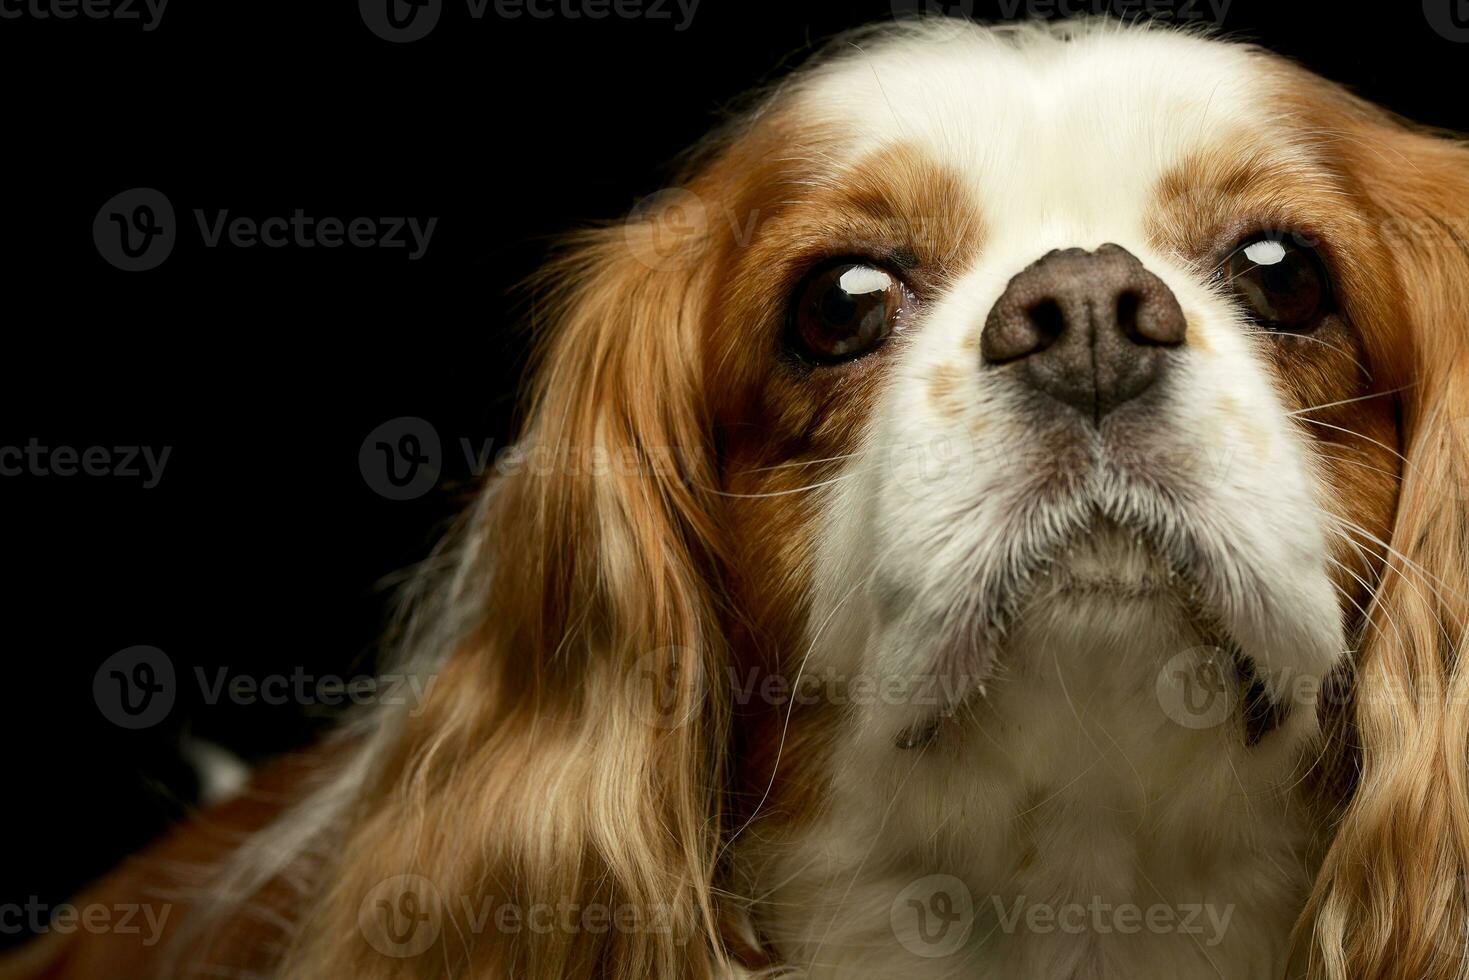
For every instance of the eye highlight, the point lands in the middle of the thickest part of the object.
(845, 309)
(1282, 283)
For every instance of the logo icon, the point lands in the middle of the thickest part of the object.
(667, 687)
(1196, 687)
(1450, 18)
(135, 230)
(400, 21)
(402, 916)
(401, 459)
(135, 688)
(927, 468)
(668, 230)
(933, 916)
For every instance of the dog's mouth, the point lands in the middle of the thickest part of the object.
(1103, 567)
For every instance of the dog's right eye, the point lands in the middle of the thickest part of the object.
(1282, 283)
(846, 309)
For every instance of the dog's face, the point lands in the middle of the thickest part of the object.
(1032, 324)
(992, 451)
(1010, 298)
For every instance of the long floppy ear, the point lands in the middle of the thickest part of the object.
(553, 811)
(1392, 899)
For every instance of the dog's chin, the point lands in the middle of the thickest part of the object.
(1110, 563)
(1108, 584)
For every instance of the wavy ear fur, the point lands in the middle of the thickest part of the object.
(556, 806)
(1391, 900)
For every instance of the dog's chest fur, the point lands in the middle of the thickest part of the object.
(1084, 822)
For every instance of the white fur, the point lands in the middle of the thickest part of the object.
(1065, 782)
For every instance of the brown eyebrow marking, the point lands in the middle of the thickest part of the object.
(897, 204)
(920, 203)
(1243, 183)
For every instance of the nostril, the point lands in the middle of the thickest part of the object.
(1128, 304)
(1049, 321)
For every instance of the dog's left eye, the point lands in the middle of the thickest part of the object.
(846, 309)
(1282, 283)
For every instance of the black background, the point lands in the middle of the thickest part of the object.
(263, 549)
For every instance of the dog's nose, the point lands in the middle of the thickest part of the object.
(1088, 328)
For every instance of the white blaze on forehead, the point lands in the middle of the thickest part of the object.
(1061, 136)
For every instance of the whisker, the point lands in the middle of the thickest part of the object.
(1358, 462)
(1374, 602)
(1376, 590)
(1410, 564)
(1365, 438)
(800, 463)
(1348, 401)
(782, 493)
(1342, 351)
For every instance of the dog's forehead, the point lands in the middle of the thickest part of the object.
(1041, 126)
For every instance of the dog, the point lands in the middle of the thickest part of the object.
(1000, 515)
